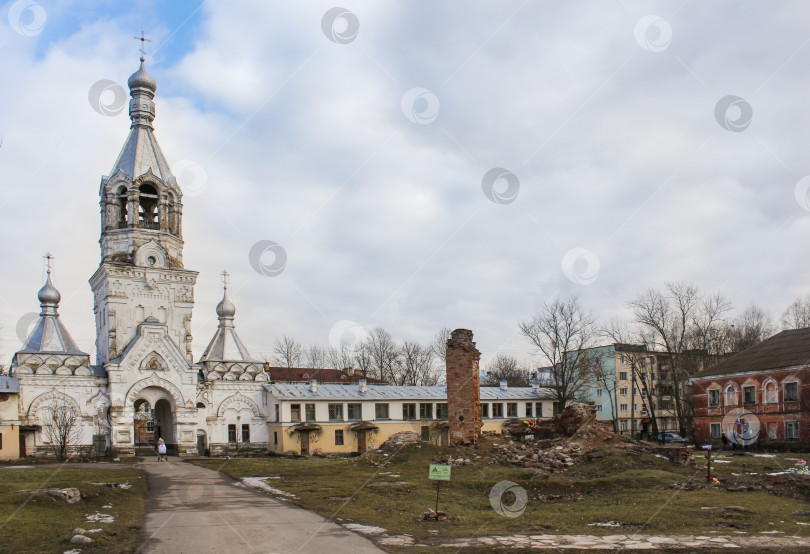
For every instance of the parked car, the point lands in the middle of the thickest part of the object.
(674, 437)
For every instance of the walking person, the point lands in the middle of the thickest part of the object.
(162, 451)
(724, 438)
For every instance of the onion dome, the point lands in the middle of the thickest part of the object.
(225, 308)
(48, 296)
(142, 79)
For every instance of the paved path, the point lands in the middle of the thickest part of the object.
(192, 509)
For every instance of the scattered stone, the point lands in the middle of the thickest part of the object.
(79, 531)
(70, 495)
(80, 539)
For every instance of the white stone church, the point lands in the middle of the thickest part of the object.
(144, 383)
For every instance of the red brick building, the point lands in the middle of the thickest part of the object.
(761, 395)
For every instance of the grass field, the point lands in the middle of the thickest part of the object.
(38, 523)
(633, 491)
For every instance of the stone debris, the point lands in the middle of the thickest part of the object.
(79, 531)
(80, 539)
(71, 495)
(101, 518)
(398, 439)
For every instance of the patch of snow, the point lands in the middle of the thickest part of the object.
(661, 456)
(764, 455)
(125, 486)
(107, 506)
(396, 475)
(606, 524)
(95, 530)
(722, 461)
(365, 529)
(802, 523)
(707, 507)
(74, 551)
(771, 532)
(258, 483)
(17, 467)
(101, 518)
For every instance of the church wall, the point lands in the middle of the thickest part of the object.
(237, 403)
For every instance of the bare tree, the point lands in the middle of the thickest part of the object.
(439, 344)
(683, 324)
(561, 330)
(288, 352)
(416, 363)
(505, 368)
(797, 315)
(315, 357)
(341, 356)
(748, 329)
(384, 355)
(60, 426)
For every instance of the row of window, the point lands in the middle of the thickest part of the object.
(410, 411)
(790, 393)
(791, 430)
(243, 437)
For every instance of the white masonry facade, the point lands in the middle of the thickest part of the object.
(145, 384)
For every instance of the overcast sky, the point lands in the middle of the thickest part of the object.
(420, 164)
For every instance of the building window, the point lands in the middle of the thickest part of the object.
(731, 396)
(635, 407)
(623, 425)
(528, 409)
(278, 408)
(275, 437)
(245, 432)
(150, 426)
(599, 408)
(295, 412)
(231, 433)
(497, 409)
(714, 430)
(335, 412)
(791, 429)
(598, 392)
(770, 393)
(409, 411)
(381, 411)
(714, 397)
(623, 390)
(310, 412)
(355, 411)
(338, 437)
(441, 410)
(425, 410)
(538, 409)
(425, 433)
(622, 375)
(623, 407)
(555, 409)
(749, 395)
(791, 392)
(485, 410)
(511, 409)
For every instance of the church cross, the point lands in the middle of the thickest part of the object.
(143, 45)
(225, 276)
(48, 261)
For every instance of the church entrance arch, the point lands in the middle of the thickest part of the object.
(154, 419)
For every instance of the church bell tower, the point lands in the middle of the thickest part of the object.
(141, 275)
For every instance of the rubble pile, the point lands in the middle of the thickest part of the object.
(398, 439)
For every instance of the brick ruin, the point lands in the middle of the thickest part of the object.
(463, 388)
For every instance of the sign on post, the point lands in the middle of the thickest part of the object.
(439, 472)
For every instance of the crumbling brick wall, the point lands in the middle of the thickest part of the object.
(463, 388)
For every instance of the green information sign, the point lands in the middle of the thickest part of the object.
(439, 472)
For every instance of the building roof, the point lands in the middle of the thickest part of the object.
(302, 391)
(49, 335)
(226, 346)
(322, 375)
(786, 349)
